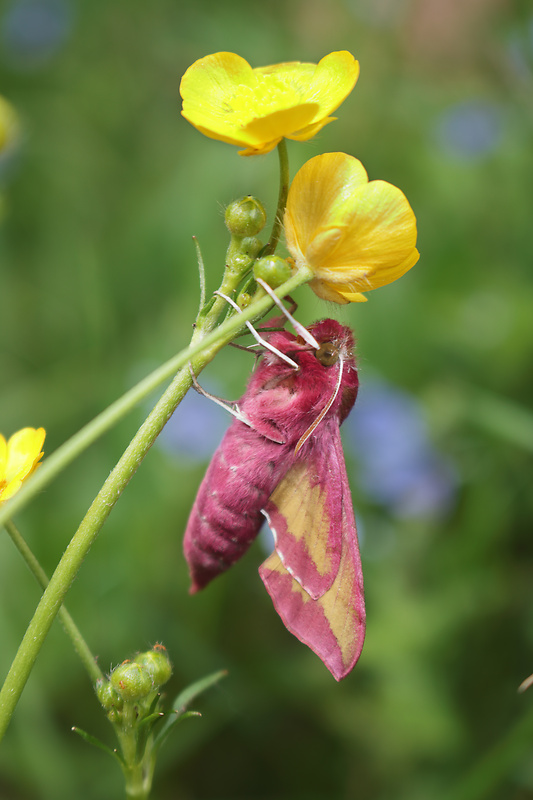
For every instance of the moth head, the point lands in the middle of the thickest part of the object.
(328, 354)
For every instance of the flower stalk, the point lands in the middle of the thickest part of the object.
(206, 342)
(284, 181)
(71, 629)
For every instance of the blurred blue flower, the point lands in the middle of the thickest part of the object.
(195, 428)
(470, 130)
(33, 30)
(399, 467)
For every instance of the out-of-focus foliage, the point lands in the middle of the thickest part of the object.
(98, 285)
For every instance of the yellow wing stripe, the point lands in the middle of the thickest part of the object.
(337, 604)
(305, 506)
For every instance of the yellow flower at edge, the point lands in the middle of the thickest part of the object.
(19, 457)
(354, 235)
(225, 99)
(9, 125)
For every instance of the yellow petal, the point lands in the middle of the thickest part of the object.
(206, 87)
(18, 459)
(275, 126)
(24, 450)
(326, 84)
(3, 459)
(9, 125)
(322, 185)
(334, 78)
(379, 230)
(329, 292)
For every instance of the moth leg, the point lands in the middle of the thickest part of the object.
(259, 338)
(227, 405)
(230, 405)
(247, 349)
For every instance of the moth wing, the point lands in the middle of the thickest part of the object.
(332, 621)
(305, 514)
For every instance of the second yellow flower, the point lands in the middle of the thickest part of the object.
(353, 234)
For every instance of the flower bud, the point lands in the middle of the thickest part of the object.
(238, 262)
(243, 300)
(156, 663)
(108, 696)
(131, 681)
(273, 270)
(245, 217)
(251, 246)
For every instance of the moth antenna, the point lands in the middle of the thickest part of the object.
(305, 436)
(259, 338)
(298, 327)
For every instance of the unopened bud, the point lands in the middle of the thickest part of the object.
(157, 664)
(108, 696)
(131, 681)
(251, 246)
(273, 270)
(243, 300)
(245, 217)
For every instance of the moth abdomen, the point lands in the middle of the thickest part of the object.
(226, 516)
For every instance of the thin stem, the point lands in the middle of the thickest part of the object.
(282, 198)
(71, 629)
(73, 447)
(199, 354)
(201, 273)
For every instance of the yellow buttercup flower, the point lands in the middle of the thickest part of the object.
(9, 126)
(224, 98)
(19, 457)
(353, 234)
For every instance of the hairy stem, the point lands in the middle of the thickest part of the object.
(198, 354)
(80, 645)
(73, 447)
(282, 198)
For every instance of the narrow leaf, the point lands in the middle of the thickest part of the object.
(191, 692)
(97, 743)
(172, 719)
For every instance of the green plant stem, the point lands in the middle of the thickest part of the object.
(282, 198)
(80, 645)
(71, 449)
(199, 354)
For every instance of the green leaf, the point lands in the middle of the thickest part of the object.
(173, 718)
(97, 743)
(191, 692)
(182, 701)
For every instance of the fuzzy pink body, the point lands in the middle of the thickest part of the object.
(226, 516)
(256, 472)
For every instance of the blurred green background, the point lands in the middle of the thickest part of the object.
(98, 285)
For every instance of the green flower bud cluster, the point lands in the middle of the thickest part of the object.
(132, 687)
(130, 696)
(244, 218)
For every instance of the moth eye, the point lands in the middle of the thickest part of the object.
(328, 354)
